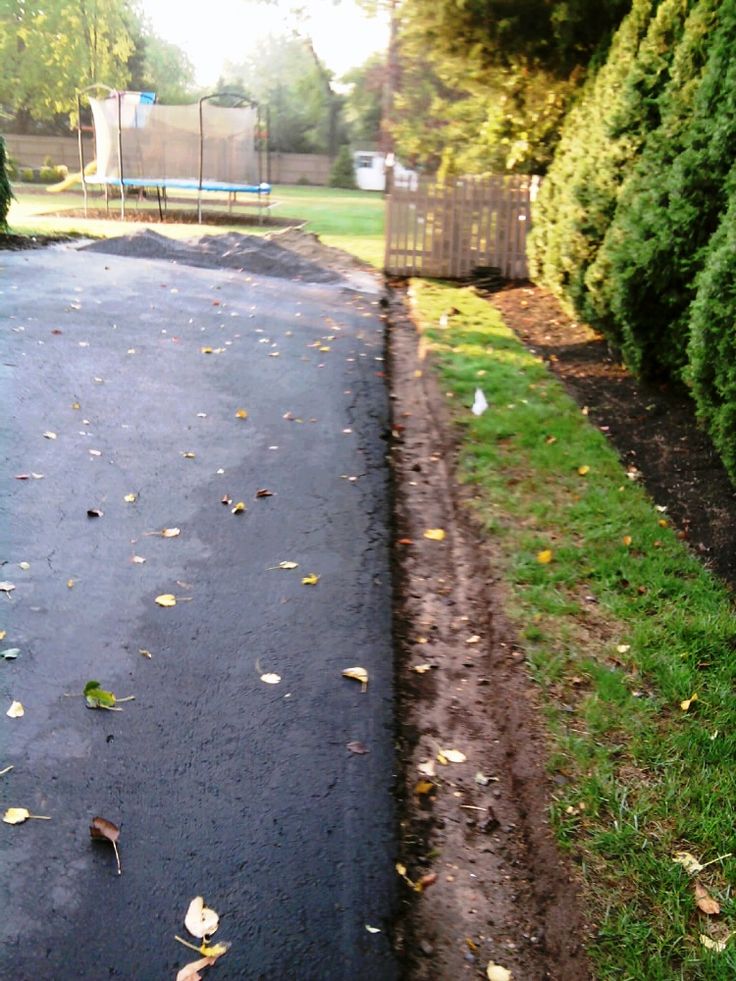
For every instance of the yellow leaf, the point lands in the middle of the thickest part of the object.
(241, 414)
(144, 653)
(357, 674)
(216, 950)
(166, 599)
(686, 703)
(3, 634)
(238, 508)
(689, 862)
(422, 668)
(545, 557)
(200, 921)
(583, 470)
(129, 498)
(453, 755)
(311, 580)
(441, 758)
(205, 350)
(718, 946)
(495, 972)
(17, 815)
(76, 405)
(435, 534)
(325, 347)
(401, 869)
(70, 583)
(15, 711)
(705, 902)
(627, 540)
(423, 787)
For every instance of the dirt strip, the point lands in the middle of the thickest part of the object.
(502, 892)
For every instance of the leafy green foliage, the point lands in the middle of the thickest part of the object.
(712, 349)
(6, 193)
(343, 171)
(364, 100)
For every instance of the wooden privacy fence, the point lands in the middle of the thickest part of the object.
(447, 229)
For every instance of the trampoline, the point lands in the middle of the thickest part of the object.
(201, 147)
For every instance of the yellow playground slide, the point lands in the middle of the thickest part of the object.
(72, 179)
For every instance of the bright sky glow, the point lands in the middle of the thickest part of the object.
(217, 31)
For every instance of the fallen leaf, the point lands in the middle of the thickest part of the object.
(428, 768)
(241, 414)
(405, 541)
(689, 862)
(17, 815)
(422, 787)
(286, 565)
(435, 534)
(226, 500)
(264, 492)
(10, 653)
(70, 583)
(167, 532)
(545, 557)
(145, 653)
(190, 972)
(623, 648)
(6, 769)
(453, 755)
(25, 566)
(718, 946)
(130, 498)
(705, 902)
(205, 350)
(96, 697)
(358, 748)
(103, 830)
(426, 881)
(475, 639)
(686, 703)
(238, 508)
(16, 710)
(200, 921)
(583, 470)
(76, 405)
(495, 972)
(311, 579)
(188, 455)
(421, 668)
(372, 929)
(138, 560)
(2, 634)
(627, 540)
(49, 435)
(357, 674)
(94, 513)
(166, 599)
(7, 587)
(95, 452)
(270, 678)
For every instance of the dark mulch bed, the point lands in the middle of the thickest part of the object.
(653, 426)
(15, 243)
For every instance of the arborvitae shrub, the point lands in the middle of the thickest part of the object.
(343, 171)
(6, 194)
(712, 349)
(661, 242)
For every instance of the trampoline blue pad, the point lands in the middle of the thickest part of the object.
(181, 184)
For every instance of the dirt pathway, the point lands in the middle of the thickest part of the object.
(501, 892)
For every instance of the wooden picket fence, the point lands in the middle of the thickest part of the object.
(448, 229)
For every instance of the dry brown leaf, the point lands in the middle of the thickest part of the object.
(264, 492)
(101, 829)
(426, 881)
(705, 902)
(357, 747)
(94, 513)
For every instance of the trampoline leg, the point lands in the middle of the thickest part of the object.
(158, 197)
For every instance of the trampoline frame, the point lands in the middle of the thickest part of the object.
(162, 184)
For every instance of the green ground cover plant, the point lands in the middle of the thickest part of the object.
(630, 639)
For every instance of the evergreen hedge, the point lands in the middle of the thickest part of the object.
(6, 194)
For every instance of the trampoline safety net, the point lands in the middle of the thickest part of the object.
(162, 142)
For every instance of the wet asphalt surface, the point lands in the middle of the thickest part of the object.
(223, 786)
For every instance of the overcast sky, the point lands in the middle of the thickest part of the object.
(217, 31)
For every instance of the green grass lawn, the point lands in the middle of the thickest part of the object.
(349, 220)
(631, 642)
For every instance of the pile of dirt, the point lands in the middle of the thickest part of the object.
(652, 426)
(246, 253)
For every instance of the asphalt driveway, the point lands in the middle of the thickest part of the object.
(123, 380)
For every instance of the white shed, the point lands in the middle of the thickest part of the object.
(370, 171)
